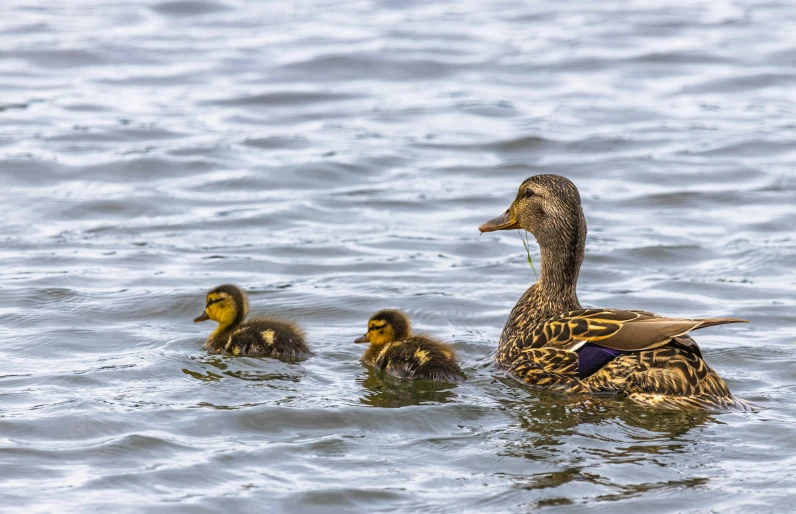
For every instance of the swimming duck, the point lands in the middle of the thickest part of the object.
(258, 337)
(550, 342)
(394, 349)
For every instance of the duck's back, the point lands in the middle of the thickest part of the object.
(268, 337)
(419, 358)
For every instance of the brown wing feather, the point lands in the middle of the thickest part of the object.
(617, 329)
(646, 334)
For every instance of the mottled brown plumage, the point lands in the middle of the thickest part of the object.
(257, 337)
(652, 359)
(398, 352)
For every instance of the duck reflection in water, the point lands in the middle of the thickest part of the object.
(589, 442)
(214, 368)
(383, 390)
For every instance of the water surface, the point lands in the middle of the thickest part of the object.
(337, 157)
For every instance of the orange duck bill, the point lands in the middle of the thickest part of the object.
(505, 221)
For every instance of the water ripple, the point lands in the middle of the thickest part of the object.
(335, 158)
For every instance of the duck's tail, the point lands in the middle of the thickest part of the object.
(711, 322)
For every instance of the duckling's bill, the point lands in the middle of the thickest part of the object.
(362, 339)
(201, 317)
(505, 221)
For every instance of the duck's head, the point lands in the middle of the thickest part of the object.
(386, 326)
(225, 304)
(547, 206)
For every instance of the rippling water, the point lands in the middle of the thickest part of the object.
(337, 157)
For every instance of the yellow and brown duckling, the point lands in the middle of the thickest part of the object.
(398, 352)
(550, 342)
(257, 337)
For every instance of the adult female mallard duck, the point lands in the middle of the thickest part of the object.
(394, 349)
(550, 342)
(258, 337)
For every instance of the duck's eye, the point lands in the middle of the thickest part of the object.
(529, 192)
(211, 302)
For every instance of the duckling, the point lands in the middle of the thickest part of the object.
(404, 355)
(551, 342)
(259, 337)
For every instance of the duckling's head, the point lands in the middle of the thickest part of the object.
(547, 206)
(226, 304)
(386, 326)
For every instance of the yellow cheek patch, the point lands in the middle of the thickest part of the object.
(223, 311)
(268, 337)
(382, 335)
(421, 356)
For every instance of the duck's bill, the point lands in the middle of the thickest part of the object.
(505, 221)
(202, 317)
(363, 339)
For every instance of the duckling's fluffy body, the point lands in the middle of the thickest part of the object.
(418, 357)
(550, 342)
(407, 356)
(261, 336)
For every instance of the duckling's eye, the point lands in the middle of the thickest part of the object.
(211, 302)
(529, 192)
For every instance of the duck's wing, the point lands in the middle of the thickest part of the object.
(617, 329)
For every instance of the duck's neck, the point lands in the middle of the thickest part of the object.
(560, 268)
(556, 290)
(553, 294)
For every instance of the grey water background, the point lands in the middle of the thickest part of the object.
(337, 157)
